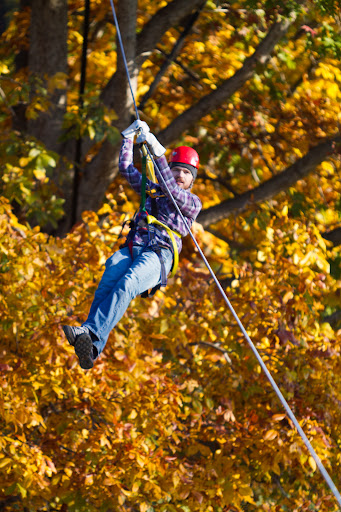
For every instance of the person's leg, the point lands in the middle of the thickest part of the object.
(143, 274)
(82, 338)
(115, 267)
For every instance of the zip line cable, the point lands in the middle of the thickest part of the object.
(278, 392)
(118, 32)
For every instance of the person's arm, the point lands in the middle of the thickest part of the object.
(127, 168)
(126, 165)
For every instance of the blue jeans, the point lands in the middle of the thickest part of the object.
(124, 278)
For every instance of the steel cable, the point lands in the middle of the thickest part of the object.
(278, 392)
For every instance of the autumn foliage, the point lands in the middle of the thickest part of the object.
(176, 415)
(163, 422)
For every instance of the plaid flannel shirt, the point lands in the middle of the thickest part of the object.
(189, 204)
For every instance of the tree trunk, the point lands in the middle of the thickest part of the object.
(48, 56)
(101, 171)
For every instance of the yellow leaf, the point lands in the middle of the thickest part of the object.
(3, 69)
(140, 461)
(133, 415)
(312, 463)
(39, 174)
(287, 297)
(68, 472)
(284, 211)
(261, 256)
(105, 209)
(245, 490)
(278, 417)
(136, 486)
(22, 490)
(269, 128)
(119, 355)
(5, 462)
(270, 435)
(176, 479)
(58, 81)
(333, 91)
(24, 161)
(327, 166)
(323, 264)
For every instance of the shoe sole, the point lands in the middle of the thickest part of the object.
(83, 349)
(69, 334)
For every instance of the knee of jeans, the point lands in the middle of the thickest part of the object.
(113, 259)
(131, 284)
(108, 263)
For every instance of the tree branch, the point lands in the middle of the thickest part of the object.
(169, 16)
(147, 40)
(186, 69)
(333, 236)
(232, 243)
(214, 346)
(170, 58)
(334, 319)
(273, 186)
(215, 99)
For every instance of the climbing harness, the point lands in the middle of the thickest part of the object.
(151, 224)
(152, 220)
(278, 392)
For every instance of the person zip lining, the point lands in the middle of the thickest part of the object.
(152, 245)
(132, 261)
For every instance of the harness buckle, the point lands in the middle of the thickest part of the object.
(153, 242)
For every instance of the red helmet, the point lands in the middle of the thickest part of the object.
(185, 155)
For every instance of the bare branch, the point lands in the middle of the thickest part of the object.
(186, 69)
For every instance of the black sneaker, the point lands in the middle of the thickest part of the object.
(70, 334)
(84, 351)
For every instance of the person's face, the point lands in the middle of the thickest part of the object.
(182, 176)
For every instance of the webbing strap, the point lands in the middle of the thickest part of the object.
(150, 166)
(147, 167)
(143, 183)
(170, 233)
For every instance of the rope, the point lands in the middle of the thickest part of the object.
(278, 392)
